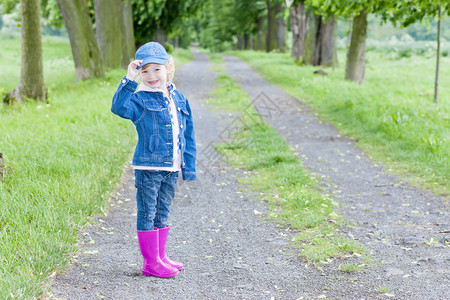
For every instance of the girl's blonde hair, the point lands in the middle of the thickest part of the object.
(170, 66)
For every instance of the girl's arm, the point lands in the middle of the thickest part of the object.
(188, 171)
(122, 104)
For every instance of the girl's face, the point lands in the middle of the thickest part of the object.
(154, 76)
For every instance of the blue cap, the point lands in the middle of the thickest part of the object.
(152, 53)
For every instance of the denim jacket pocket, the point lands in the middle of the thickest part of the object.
(156, 110)
(183, 108)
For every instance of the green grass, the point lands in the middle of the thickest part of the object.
(392, 114)
(294, 198)
(63, 162)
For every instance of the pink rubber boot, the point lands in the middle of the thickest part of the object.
(163, 233)
(153, 265)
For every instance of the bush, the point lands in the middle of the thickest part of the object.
(404, 53)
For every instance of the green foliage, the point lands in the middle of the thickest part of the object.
(167, 15)
(392, 116)
(222, 21)
(51, 14)
(402, 12)
(8, 5)
(407, 12)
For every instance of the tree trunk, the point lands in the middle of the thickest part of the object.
(259, 42)
(110, 32)
(298, 28)
(281, 27)
(356, 56)
(310, 40)
(327, 44)
(160, 36)
(130, 47)
(239, 43)
(438, 58)
(176, 42)
(320, 42)
(271, 42)
(246, 41)
(31, 82)
(86, 54)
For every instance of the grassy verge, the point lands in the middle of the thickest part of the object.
(63, 160)
(392, 114)
(294, 198)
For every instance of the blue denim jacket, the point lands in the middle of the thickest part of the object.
(149, 113)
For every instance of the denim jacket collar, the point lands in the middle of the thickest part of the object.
(170, 86)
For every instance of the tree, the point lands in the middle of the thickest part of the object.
(358, 10)
(216, 25)
(276, 29)
(313, 36)
(31, 82)
(110, 33)
(438, 58)
(221, 23)
(154, 20)
(86, 54)
(244, 19)
(298, 16)
(129, 48)
(356, 55)
(320, 47)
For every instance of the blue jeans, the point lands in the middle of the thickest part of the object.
(155, 192)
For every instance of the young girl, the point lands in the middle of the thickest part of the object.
(166, 145)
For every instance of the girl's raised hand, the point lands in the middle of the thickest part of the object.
(132, 69)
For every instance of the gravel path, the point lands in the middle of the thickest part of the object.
(393, 219)
(231, 252)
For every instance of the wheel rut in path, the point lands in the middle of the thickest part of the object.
(217, 231)
(392, 219)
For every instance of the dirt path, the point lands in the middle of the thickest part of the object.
(394, 220)
(228, 249)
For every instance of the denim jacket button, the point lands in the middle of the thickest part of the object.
(124, 81)
(181, 126)
(179, 108)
